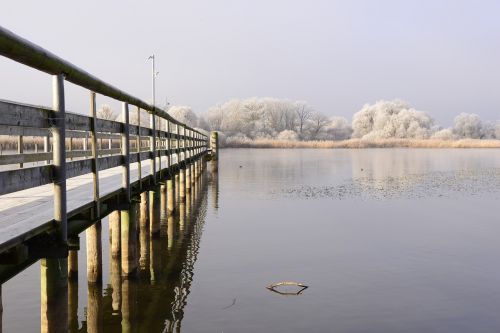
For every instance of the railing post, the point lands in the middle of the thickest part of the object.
(95, 152)
(214, 144)
(153, 146)
(169, 146)
(177, 144)
(20, 147)
(59, 156)
(46, 143)
(159, 147)
(139, 163)
(184, 143)
(126, 151)
(93, 233)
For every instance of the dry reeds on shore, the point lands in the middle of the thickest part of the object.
(359, 143)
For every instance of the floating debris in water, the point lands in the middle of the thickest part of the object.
(274, 287)
(411, 186)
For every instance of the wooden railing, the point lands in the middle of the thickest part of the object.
(55, 126)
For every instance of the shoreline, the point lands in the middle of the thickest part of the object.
(360, 144)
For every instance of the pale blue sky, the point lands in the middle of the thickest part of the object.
(441, 56)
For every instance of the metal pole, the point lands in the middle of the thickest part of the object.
(59, 156)
(153, 118)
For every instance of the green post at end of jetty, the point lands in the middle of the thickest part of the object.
(214, 145)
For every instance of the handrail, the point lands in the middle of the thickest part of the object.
(23, 51)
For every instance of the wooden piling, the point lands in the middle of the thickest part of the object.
(214, 145)
(182, 214)
(177, 187)
(129, 306)
(115, 278)
(170, 195)
(144, 209)
(73, 264)
(73, 305)
(193, 174)
(170, 231)
(144, 245)
(114, 223)
(74, 246)
(54, 295)
(163, 200)
(154, 211)
(188, 178)
(155, 260)
(182, 184)
(94, 253)
(128, 223)
(94, 308)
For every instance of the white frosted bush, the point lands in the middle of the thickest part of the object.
(468, 125)
(338, 128)
(288, 135)
(391, 119)
(184, 114)
(444, 134)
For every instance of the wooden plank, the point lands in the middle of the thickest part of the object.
(19, 130)
(15, 114)
(78, 168)
(37, 157)
(74, 121)
(110, 162)
(24, 158)
(110, 126)
(21, 179)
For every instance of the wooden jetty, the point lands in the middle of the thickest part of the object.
(89, 168)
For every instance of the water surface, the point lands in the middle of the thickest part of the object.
(389, 240)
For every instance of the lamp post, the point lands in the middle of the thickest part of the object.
(154, 73)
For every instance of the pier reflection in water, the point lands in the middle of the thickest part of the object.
(145, 283)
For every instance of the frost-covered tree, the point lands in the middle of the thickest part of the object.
(184, 114)
(304, 113)
(443, 134)
(256, 117)
(316, 126)
(106, 112)
(391, 119)
(468, 125)
(338, 128)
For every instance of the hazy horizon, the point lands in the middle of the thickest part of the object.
(439, 56)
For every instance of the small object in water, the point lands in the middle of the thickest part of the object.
(274, 286)
(227, 307)
(241, 166)
(361, 169)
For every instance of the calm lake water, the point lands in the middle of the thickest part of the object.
(388, 240)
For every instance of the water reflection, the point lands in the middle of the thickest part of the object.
(153, 300)
(392, 173)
